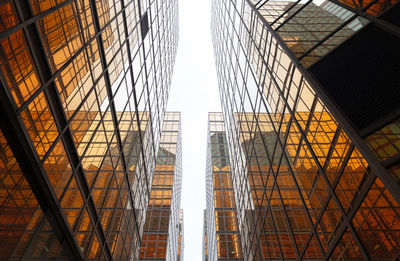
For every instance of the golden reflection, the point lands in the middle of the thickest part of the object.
(159, 223)
(24, 230)
(40, 124)
(377, 223)
(375, 8)
(17, 65)
(227, 228)
(264, 154)
(66, 34)
(385, 143)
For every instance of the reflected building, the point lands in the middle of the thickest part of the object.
(162, 237)
(311, 115)
(83, 90)
(222, 231)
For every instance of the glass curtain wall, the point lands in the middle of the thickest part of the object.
(161, 230)
(223, 236)
(83, 89)
(181, 238)
(303, 190)
(205, 240)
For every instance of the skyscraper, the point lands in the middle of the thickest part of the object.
(83, 90)
(204, 250)
(162, 230)
(308, 93)
(223, 238)
(181, 237)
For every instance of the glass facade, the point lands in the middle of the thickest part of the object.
(223, 238)
(83, 90)
(304, 26)
(304, 188)
(204, 237)
(181, 237)
(161, 238)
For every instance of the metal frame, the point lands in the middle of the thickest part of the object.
(377, 166)
(26, 156)
(19, 140)
(211, 207)
(39, 56)
(224, 61)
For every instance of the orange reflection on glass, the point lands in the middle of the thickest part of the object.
(374, 9)
(16, 62)
(385, 143)
(350, 181)
(95, 250)
(321, 131)
(82, 127)
(39, 6)
(224, 199)
(337, 156)
(377, 223)
(40, 124)
(84, 231)
(58, 168)
(313, 251)
(347, 249)
(331, 220)
(72, 203)
(74, 82)
(269, 238)
(24, 231)
(155, 246)
(61, 35)
(228, 246)
(160, 224)
(19, 208)
(8, 16)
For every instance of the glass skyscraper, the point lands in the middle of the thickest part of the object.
(311, 111)
(181, 237)
(222, 231)
(83, 90)
(162, 230)
(204, 248)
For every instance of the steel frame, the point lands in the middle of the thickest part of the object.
(376, 170)
(377, 166)
(12, 125)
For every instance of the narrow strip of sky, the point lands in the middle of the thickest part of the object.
(194, 92)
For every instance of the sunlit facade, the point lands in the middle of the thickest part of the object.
(223, 238)
(314, 177)
(83, 90)
(162, 233)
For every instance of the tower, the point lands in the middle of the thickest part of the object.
(162, 230)
(83, 91)
(222, 230)
(314, 163)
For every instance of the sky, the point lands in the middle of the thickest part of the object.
(194, 92)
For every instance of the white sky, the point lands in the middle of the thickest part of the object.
(194, 92)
